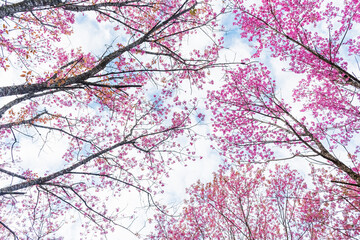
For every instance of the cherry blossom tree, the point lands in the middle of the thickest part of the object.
(254, 202)
(317, 40)
(114, 131)
(317, 127)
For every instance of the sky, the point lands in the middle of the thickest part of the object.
(94, 37)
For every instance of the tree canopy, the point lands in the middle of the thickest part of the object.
(103, 124)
